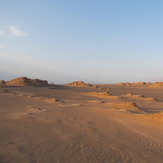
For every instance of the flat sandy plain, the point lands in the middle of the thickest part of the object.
(62, 124)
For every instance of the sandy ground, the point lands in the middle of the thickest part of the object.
(63, 124)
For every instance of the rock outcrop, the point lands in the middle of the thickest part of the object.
(2, 82)
(124, 84)
(134, 84)
(24, 81)
(157, 84)
(141, 83)
(79, 84)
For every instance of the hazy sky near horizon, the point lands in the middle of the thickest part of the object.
(95, 41)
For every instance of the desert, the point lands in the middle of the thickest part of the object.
(81, 81)
(66, 123)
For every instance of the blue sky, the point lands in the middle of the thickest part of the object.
(106, 41)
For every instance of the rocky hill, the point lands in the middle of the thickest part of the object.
(24, 81)
(2, 82)
(79, 84)
(157, 84)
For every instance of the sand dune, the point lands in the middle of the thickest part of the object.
(43, 98)
(154, 116)
(65, 124)
(102, 95)
(127, 106)
(122, 106)
(140, 97)
(99, 94)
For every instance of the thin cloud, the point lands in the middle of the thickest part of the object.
(2, 46)
(1, 33)
(19, 65)
(17, 32)
(28, 61)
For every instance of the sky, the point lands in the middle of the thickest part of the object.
(62, 41)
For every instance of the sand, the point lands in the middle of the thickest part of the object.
(62, 124)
